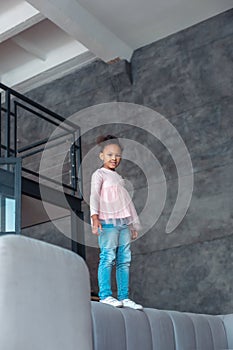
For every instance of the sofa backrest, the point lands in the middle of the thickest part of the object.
(152, 329)
(44, 297)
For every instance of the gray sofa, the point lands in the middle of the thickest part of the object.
(45, 305)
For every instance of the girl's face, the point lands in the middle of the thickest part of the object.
(111, 156)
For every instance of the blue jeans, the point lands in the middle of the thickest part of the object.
(114, 243)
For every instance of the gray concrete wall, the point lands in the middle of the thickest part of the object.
(188, 78)
(49, 233)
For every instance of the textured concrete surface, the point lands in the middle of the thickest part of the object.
(188, 78)
(49, 233)
(195, 278)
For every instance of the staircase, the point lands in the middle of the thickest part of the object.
(25, 135)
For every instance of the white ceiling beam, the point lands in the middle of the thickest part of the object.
(18, 18)
(84, 27)
(29, 47)
(55, 72)
(34, 67)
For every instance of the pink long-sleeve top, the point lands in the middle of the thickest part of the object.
(109, 198)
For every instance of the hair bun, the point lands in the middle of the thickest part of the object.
(100, 139)
(103, 138)
(103, 141)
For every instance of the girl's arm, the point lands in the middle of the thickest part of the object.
(96, 184)
(96, 225)
(134, 233)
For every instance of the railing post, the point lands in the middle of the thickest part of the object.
(18, 187)
(8, 122)
(10, 195)
(73, 167)
(15, 129)
(0, 125)
(79, 160)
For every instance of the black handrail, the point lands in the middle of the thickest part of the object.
(36, 105)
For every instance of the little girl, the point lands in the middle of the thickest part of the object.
(114, 220)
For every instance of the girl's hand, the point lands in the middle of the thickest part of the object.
(134, 234)
(96, 226)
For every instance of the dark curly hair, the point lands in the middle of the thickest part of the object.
(103, 141)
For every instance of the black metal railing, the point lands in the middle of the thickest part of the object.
(17, 111)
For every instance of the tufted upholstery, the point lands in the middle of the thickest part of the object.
(127, 329)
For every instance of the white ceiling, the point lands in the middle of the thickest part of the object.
(41, 39)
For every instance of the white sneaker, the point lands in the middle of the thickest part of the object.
(112, 301)
(132, 304)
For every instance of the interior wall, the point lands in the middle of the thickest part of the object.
(186, 77)
(48, 232)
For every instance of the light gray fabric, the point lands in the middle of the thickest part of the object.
(161, 328)
(196, 331)
(44, 297)
(203, 332)
(158, 330)
(108, 327)
(139, 337)
(228, 323)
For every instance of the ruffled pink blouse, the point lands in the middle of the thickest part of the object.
(110, 199)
